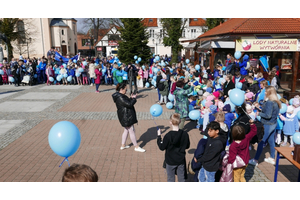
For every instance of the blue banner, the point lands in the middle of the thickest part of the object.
(65, 60)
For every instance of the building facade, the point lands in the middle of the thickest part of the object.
(44, 33)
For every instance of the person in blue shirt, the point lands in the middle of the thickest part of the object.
(42, 67)
(243, 65)
(72, 73)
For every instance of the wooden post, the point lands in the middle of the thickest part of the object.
(196, 58)
(295, 70)
(212, 59)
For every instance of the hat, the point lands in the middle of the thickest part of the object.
(249, 95)
(182, 77)
(209, 90)
(216, 94)
(227, 108)
(210, 98)
(283, 100)
(206, 94)
(290, 109)
(213, 108)
(296, 102)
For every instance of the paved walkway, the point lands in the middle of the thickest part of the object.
(28, 113)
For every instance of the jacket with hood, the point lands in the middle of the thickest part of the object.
(166, 88)
(254, 87)
(126, 111)
(243, 65)
(242, 148)
(175, 143)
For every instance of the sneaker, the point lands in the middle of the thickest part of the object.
(270, 160)
(139, 149)
(97, 92)
(253, 162)
(283, 144)
(91, 84)
(126, 147)
(291, 145)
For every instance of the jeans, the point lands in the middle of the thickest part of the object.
(171, 172)
(92, 80)
(105, 79)
(268, 137)
(206, 176)
(97, 86)
(158, 94)
(38, 78)
(133, 80)
(43, 76)
(115, 81)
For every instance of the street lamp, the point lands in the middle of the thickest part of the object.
(155, 42)
(27, 46)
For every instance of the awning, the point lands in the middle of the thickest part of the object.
(223, 44)
(190, 46)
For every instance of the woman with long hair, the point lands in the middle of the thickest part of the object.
(126, 115)
(268, 113)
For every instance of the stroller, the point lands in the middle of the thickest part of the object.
(28, 77)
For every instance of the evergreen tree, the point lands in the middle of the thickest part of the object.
(8, 26)
(134, 40)
(173, 27)
(213, 22)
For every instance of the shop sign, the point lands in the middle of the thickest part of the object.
(256, 45)
(99, 48)
(112, 43)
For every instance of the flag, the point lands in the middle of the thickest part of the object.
(65, 60)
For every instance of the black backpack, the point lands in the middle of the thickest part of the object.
(161, 86)
(260, 132)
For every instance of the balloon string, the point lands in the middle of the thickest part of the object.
(154, 122)
(66, 158)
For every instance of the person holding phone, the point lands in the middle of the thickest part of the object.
(126, 115)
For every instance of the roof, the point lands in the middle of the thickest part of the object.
(58, 22)
(255, 26)
(197, 22)
(70, 19)
(150, 22)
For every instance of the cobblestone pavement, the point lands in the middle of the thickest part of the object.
(24, 149)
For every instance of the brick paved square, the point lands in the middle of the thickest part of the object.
(61, 87)
(43, 95)
(24, 106)
(12, 87)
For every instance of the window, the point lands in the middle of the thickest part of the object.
(183, 33)
(150, 20)
(161, 34)
(21, 31)
(85, 42)
(63, 42)
(151, 33)
(62, 32)
(193, 33)
(195, 19)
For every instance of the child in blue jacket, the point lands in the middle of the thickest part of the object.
(290, 125)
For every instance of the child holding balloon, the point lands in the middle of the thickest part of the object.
(290, 125)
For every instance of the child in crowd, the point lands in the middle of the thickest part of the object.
(84, 76)
(78, 77)
(249, 97)
(72, 73)
(163, 87)
(108, 75)
(4, 76)
(213, 111)
(175, 142)
(63, 71)
(192, 99)
(48, 73)
(196, 166)
(211, 158)
(249, 110)
(79, 173)
(290, 125)
(240, 146)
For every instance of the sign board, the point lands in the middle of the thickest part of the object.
(258, 45)
(112, 43)
(99, 48)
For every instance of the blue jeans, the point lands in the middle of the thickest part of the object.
(97, 87)
(158, 94)
(43, 76)
(206, 176)
(92, 80)
(268, 137)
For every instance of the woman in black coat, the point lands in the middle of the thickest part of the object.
(228, 85)
(126, 115)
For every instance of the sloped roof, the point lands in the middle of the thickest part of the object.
(256, 26)
(197, 22)
(70, 19)
(57, 22)
(150, 22)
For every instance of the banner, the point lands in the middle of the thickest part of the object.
(257, 45)
(65, 60)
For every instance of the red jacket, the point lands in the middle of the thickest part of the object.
(98, 74)
(242, 148)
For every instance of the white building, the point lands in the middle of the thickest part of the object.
(193, 28)
(44, 33)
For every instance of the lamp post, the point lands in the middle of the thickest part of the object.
(28, 47)
(155, 42)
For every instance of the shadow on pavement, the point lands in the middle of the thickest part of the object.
(190, 126)
(6, 92)
(151, 134)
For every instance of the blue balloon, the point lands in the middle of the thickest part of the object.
(191, 107)
(291, 101)
(296, 138)
(237, 97)
(258, 118)
(279, 97)
(147, 85)
(171, 97)
(135, 57)
(169, 105)
(171, 70)
(69, 79)
(80, 69)
(74, 61)
(155, 70)
(237, 54)
(298, 115)
(1, 72)
(125, 76)
(35, 76)
(283, 108)
(139, 59)
(153, 54)
(64, 64)
(157, 58)
(156, 110)
(221, 80)
(150, 75)
(143, 67)
(58, 78)
(197, 67)
(136, 62)
(11, 79)
(194, 114)
(239, 85)
(203, 102)
(51, 79)
(64, 138)
(84, 63)
(116, 58)
(154, 78)
(187, 61)
(77, 74)
(65, 75)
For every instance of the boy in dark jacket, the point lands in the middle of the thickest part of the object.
(211, 157)
(196, 166)
(253, 85)
(175, 143)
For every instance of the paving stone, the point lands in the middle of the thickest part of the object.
(61, 87)
(43, 95)
(24, 106)
(6, 94)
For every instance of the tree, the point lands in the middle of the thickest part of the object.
(213, 22)
(134, 40)
(172, 28)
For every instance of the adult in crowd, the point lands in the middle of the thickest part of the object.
(126, 115)
(268, 113)
(42, 68)
(228, 85)
(181, 99)
(132, 74)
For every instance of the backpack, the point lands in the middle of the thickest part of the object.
(161, 86)
(260, 132)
